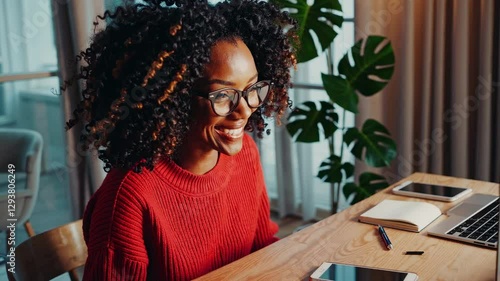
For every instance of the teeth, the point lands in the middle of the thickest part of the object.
(233, 132)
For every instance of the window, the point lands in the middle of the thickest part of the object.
(27, 52)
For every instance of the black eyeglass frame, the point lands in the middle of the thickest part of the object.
(211, 96)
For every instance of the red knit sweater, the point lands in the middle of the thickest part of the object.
(169, 224)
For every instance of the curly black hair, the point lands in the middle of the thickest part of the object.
(139, 70)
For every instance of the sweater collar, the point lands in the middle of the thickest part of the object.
(189, 183)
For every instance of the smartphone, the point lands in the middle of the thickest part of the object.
(430, 191)
(345, 272)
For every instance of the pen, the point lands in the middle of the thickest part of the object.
(387, 242)
(414, 253)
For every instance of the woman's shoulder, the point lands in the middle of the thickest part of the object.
(121, 189)
(117, 207)
(119, 180)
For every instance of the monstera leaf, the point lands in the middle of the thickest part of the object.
(305, 121)
(379, 149)
(369, 183)
(340, 92)
(372, 68)
(320, 18)
(331, 170)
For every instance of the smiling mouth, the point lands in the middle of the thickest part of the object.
(231, 133)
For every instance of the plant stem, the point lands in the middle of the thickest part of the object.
(335, 202)
(334, 188)
(329, 59)
(341, 149)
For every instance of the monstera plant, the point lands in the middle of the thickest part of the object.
(364, 70)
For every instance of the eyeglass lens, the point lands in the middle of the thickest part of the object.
(225, 101)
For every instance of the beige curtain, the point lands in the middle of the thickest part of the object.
(73, 23)
(442, 105)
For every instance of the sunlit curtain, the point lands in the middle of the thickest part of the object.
(290, 173)
(290, 168)
(73, 21)
(442, 105)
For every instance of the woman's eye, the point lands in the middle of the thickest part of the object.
(255, 90)
(221, 97)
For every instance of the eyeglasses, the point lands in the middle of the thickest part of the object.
(224, 101)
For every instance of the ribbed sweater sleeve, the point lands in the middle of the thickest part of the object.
(116, 249)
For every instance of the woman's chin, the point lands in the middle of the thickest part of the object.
(230, 146)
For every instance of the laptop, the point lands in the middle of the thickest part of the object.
(474, 220)
(498, 254)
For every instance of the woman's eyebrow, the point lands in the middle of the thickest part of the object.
(253, 77)
(228, 83)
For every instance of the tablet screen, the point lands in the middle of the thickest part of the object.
(353, 273)
(447, 191)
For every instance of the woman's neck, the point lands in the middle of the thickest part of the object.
(196, 161)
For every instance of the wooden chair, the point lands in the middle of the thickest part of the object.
(52, 253)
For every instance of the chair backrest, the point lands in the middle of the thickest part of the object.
(23, 149)
(51, 253)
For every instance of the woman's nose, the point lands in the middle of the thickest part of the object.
(243, 110)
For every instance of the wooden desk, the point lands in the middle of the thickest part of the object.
(340, 238)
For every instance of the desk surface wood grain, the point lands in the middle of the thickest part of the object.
(341, 238)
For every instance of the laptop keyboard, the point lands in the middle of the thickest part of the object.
(482, 226)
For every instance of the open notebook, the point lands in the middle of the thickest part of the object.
(474, 220)
(405, 215)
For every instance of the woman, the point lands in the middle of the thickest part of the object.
(169, 91)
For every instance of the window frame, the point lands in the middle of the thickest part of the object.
(10, 101)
